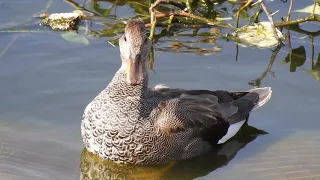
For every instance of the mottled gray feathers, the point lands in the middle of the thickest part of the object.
(139, 125)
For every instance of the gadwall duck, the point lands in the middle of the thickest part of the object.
(128, 122)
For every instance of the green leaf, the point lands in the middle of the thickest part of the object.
(75, 37)
(254, 18)
(316, 69)
(297, 57)
(108, 32)
(101, 11)
(309, 9)
(114, 42)
(243, 14)
(141, 8)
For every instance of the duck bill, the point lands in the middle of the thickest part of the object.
(134, 72)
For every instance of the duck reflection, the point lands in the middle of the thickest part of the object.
(93, 167)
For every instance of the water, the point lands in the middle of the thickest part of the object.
(46, 82)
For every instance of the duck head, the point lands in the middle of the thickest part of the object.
(134, 51)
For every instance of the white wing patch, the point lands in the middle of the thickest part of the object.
(160, 87)
(232, 130)
(264, 96)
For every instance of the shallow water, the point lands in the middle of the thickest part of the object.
(46, 82)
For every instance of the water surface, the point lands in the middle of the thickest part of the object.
(46, 83)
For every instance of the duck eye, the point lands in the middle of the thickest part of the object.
(125, 39)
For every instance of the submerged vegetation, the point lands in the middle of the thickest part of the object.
(245, 22)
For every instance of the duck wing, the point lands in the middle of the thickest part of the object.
(222, 96)
(201, 114)
(219, 112)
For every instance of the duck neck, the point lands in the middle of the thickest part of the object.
(120, 85)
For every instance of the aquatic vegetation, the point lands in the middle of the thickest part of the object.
(257, 35)
(315, 69)
(184, 26)
(62, 21)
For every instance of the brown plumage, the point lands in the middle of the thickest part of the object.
(131, 123)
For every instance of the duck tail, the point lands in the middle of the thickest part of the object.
(264, 96)
(252, 100)
(248, 101)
